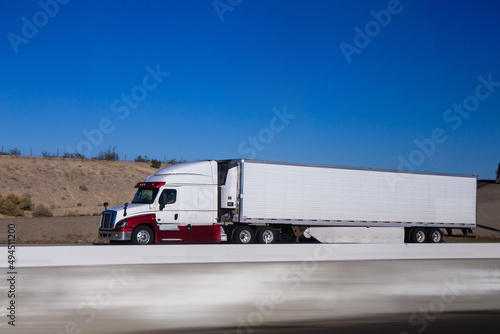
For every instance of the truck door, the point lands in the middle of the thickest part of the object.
(167, 209)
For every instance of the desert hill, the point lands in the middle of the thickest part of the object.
(488, 209)
(71, 187)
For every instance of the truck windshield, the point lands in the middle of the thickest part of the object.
(145, 195)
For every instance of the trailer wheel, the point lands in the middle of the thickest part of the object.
(418, 235)
(434, 235)
(266, 235)
(142, 235)
(243, 235)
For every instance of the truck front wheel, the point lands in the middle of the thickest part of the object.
(243, 235)
(142, 235)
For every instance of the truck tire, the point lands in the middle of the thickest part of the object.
(143, 235)
(434, 235)
(243, 235)
(418, 235)
(266, 235)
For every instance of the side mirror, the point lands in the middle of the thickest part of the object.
(105, 205)
(162, 200)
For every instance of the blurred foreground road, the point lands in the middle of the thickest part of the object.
(254, 288)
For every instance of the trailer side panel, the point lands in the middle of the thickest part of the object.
(329, 195)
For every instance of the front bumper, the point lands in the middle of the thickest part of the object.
(115, 235)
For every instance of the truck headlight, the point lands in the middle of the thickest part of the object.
(122, 224)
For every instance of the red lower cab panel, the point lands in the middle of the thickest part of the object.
(189, 234)
(170, 233)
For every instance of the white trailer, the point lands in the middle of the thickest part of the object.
(250, 201)
(306, 195)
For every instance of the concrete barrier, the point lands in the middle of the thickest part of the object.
(117, 289)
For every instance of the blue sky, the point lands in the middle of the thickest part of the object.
(271, 80)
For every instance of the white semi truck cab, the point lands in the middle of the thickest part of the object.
(247, 201)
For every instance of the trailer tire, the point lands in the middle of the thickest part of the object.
(266, 235)
(143, 235)
(434, 235)
(243, 235)
(418, 235)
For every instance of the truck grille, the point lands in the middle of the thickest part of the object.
(108, 220)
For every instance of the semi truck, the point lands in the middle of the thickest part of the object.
(251, 201)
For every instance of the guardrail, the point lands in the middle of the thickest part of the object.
(90, 289)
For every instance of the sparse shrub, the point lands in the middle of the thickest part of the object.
(41, 211)
(108, 154)
(9, 207)
(83, 188)
(78, 204)
(73, 156)
(15, 151)
(25, 203)
(174, 161)
(46, 154)
(141, 159)
(155, 163)
(12, 205)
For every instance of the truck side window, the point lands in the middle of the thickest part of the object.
(171, 195)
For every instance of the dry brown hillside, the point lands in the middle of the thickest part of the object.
(71, 186)
(488, 209)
